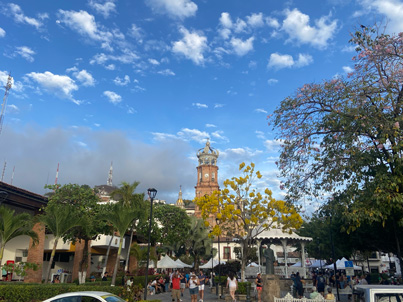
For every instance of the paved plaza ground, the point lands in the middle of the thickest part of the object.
(211, 296)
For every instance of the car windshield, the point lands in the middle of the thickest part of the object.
(113, 299)
(388, 297)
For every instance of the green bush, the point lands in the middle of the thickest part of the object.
(223, 280)
(242, 288)
(23, 292)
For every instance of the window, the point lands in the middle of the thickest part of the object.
(213, 176)
(388, 297)
(227, 252)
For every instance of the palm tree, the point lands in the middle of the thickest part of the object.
(198, 242)
(141, 254)
(126, 195)
(121, 218)
(58, 219)
(13, 225)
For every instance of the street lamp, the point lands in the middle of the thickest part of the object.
(334, 259)
(219, 260)
(151, 194)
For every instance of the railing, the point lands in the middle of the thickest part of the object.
(290, 298)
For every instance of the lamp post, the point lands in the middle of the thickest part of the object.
(151, 194)
(219, 261)
(334, 259)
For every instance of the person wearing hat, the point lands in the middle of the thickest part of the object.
(193, 285)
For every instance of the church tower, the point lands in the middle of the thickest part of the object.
(179, 202)
(207, 171)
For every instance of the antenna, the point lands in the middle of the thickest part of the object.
(109, 181)
(57, 173)
(4, 170)
(12, 176)
(3, 105)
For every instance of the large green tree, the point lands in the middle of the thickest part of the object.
(13, 225)
(85, 203)
(243, 212)
(343, 138)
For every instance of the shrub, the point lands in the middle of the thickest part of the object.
(242, 288)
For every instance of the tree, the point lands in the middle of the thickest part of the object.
(85, 203)
(58, 220)
(121, 218)
(13, 225)
(197, 241)
(343, 137)
(243, 212)
(126, 195)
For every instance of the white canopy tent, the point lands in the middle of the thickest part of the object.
(253, 264)
(341, 264)
(182, 263)
(318, 264)
(209, 264)
(167, 262)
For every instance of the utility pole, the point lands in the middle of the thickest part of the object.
(3, 105)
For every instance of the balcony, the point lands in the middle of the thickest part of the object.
(103, 242)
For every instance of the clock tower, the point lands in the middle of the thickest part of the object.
(207, 171)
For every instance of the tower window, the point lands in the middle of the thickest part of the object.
(213, 176)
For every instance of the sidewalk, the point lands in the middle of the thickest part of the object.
(166, 297)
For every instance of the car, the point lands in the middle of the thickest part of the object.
(86, 296)
(379, 293)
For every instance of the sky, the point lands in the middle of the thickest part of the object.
(144, 84)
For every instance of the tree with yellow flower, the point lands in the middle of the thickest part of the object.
(243, 212)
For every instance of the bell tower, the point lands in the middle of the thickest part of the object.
(207, 171)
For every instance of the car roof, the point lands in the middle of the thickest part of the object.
(88, 293)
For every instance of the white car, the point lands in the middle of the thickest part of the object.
(88, 296)
(379, 293)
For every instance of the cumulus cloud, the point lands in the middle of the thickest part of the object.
(153, 62)
(185, 134)
(255, 20)
(279, 61)
(25, 52)
(225, 25)
(272, 145)
(105, 8)
(83, 76)
(112, 97)
(192, 46)
(122, 82)
(16, 12)
(272, 22)
(211, 126)
(219, 135)
(199, 105)
(347, 69)
(126, 56)
(174, 8)
(166, 72)
(240, 47)
(2, 33)
(296, 25)
(61, 85)
(272, 81)
(136, 32)
(391, 9)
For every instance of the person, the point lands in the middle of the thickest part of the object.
(232, 285)
(183, 283)
(314, 294)
(259, 287)
(151, 288)
(363, 280)
(92, 278)
(161, 283)
(202, 281)
(105, 277)
(167, 280)
(129, 283)
(330, 295)
(176, 287)
(193, 285)
(298, 285)
(56, 279)
(320, 282)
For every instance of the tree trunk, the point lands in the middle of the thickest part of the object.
(52, 255)
(82, 272)
(117, 261)
(244, 259)
(128, 249)
(107, 256)
(1, 254)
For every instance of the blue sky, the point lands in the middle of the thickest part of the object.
(144, 83)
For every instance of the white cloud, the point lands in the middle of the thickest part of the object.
(260, 110)
(240, 26)
(105, 8)
(211, 126)
(84, 23)
(166, 72)
(255, 20)
(260, 134)
(174, 8)
(199, 105)
(193, 134)
(280, 61)
(273, 145)
(25, 52)
(296, 25)
(218, 134)
(16, 85)
(347, 69)
(392, 9)
(113, 97)
(83, 76)
(153, 62)
(122, 82)
(240, 47)
(240, 154)
(349, 48)
(2, 33)
(136, 32)
(191, 46)
(218, 106)
(126, 57)
(12, 108)
(272, 22)
(61, 85)
(19, 17)
(225, 20)
(272, 81)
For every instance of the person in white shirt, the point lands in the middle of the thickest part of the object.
(232, 284)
